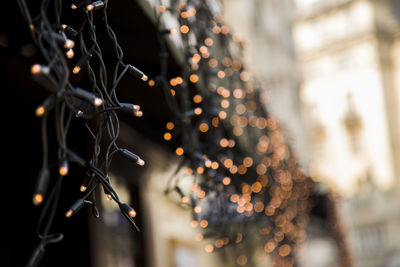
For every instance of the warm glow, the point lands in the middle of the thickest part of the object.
(222, 115)
(179, 151)
(70, 53)
(132, 213)
(213, 63)
(203, 127)
(198, 111)
(40, 111)
(224, 142)
(194, 223)
(69, 44)
(199, 237)
(197, 99)
(208, 41)
(184, 29)
(194, 78)
(209, 248)
(226, 180)
(37, 199)
(83, 188)
(224, 104)
(167, 136)
(203, 223)
(170, 125)
(214, 165)
(228, 162)
(197, 209)
(36, 69)
(76, 69)
(221, 74)
(63, 169)
(185, 199)
(69, 213)
(172, 92)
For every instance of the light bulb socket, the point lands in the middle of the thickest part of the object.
(69, 31)
(128, 210)
(95, 6)
(137, 73)
(131, 156)
(46, 106)
(86, 180)
(41, 186)
(131, 109)
(90, 97)
(83, 60)
(75, 207)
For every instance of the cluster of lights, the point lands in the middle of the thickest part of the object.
(59, 44)
(240, 145)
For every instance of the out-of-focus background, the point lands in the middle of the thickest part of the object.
(332, 71)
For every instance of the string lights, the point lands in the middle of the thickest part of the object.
(248, 186)
(96, 104)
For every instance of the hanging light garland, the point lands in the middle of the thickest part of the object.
(97, 105)
(249, 190)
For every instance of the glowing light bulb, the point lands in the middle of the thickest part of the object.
(37, 199)
(40, 111)
(167, 136)
(70, 53)
(132, 213)
(185, 199)
(179, 151)
(69, 213)
(73, 6)
(197, 99)
(198, 111)
(69, 44)
(226, 180)
(64, 168)
(140, 162)
(76, 69)
(97, 102)
(83, 188)
(184, 29)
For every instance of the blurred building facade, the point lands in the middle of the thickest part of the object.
(348, 52)
(332, 73)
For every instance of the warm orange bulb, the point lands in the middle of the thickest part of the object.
(203, 127)
(70, 53)
(76, 69)
(170, 125)
(222, 115)
(152, 82)
(40, 111)
(172, 92)
(208, 41)
(197, 209)
(185, 199)
(226, 180)
(69, 213)
(83, 188)
(213, 63)
(37, 199)
(184, 29)
(209, 248)
(36, 69)
(63, 169)
(167, 136)
(203, 223)
(198, 111)
(132, 213)
(194, 78)
(179, 151)
(197, 99)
